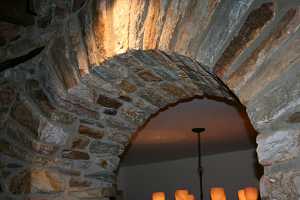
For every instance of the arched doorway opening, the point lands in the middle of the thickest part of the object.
(162, 155)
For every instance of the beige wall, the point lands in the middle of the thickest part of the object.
(229, 170)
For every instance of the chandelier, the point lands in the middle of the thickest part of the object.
(216, 193)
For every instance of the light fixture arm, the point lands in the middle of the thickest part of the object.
(200, 169)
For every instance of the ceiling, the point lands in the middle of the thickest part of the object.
(168, 135)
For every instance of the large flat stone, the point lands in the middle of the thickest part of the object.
(20, 183)
(91, 132)
(46, 181)
(99, 147)
(279, 146)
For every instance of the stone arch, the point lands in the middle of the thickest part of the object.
(70, 141)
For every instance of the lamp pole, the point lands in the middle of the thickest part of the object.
(198, 131)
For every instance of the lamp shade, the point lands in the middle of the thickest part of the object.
(217, 193)
(241, 195)
(181, 194)
(190, 197)
(158, 196)
(251, 193)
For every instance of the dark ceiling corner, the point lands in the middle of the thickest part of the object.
(18, 12)
(15, 61)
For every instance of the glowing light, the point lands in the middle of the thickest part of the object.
(217, 193)
(158, 196)
(251, 193)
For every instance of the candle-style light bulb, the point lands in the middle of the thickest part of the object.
(217, 193)
(241, 194)
(158, 196)
(251, 193)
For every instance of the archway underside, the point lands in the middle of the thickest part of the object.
(68, 104)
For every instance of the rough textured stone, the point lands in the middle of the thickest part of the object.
(46, 181)
(24, 114)
(78, 4)
(280, 185)
(127, 86)
(125, 98)
(78, 183)
(108, 102)
(100, 147)
(134, 115)
(63, 68)
(149, 76)
(7, 94)
(294, 118)
(41, 99)
(76, 155)
(219, 33)
(91, 132)
(287, 25)
(80, 143)
(255, 21)
(174, 90)
(110, 112)
(8, 32)
(24, 138)
(21, 183)
(279, 146)
(52, 134)
(104, 176)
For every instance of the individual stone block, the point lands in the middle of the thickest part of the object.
(78, 184)
(24, 138)
(108, 102)
(284, 29)
(7, 94)
(174, 90)
(294, 118)
(91, 132)
(149, 76)
(99, 147)
(46, 181)
(20, 183)
(77, 4)
(52, 134)
(281, 185)
(256, 20)
(41, 99)
(75, 155)
(135, 115)
(279, 146)
(153, 96)
(8, 32)
(80, 143)
(103, 176)
(23, 113)
(110, 112)
(127, 86)
(63, 67)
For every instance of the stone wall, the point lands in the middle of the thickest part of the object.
(69, 104)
